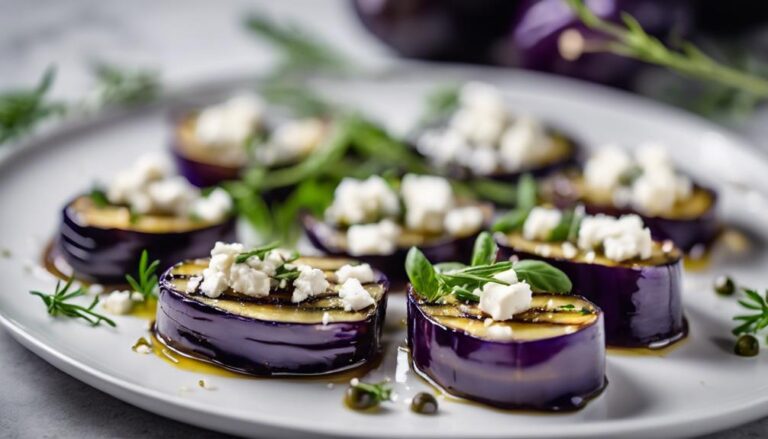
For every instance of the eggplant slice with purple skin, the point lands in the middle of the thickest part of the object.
(103, 243)
(689, 224)
(641, 299)
(270, 336)
(554, 359)
(438, 248)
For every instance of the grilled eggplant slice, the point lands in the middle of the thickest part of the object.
(641, 299)
(103, 243)
(270, 336)
(552, 360)
(691, 223)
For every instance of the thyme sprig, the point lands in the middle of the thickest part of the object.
(436, 282)
(58, 304)
(631, 40)
(121, 86)
(147, 282)
(259, 252)
(22, 110)
(758, 319)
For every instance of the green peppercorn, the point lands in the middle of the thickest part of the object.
(725, 286)
(747, 346)
(424, 404)
(359, 399)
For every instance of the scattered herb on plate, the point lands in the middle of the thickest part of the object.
(58, 304)
(366, 396)
(23, 109)
(147, 282)
(121, 86)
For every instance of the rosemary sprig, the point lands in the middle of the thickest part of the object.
(758, 319)
(22, 110)
(120, 86)
(631, 40)
(147, 283)
(58, 304)
(259, 252)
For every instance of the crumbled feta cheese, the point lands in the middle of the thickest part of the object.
(311, 282)
(118, 302)
(622, 239)
(171, 195)
(143, 349)
(249, 281)
(590, 256)
(127, 182)
(480, 122)
(326, 318)
(499, 332)
(361, 272)
(373, 239)
(95, 289)
(540, 223)
(543, 250)
(214, 283)
(229, 123)
(137, 296)
(213, 208)
(569, 250)
(362, 201)
(464, 221)
(193, 283)
(652, 155)
(291, 140)
(502, 302)
(482, 160)
(427, 199)
(443, 146)
(654, 192)
(603, 171)
(667, 246)
(272, 260)
(523, 143)
(354, 296)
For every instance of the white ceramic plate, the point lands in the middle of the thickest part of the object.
(696, 388)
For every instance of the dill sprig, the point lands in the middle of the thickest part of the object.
(22, 110)
(758, 319)
(58, 304)
(631, 40)
(147, 283)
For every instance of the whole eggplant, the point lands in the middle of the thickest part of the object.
(534, 38)
(263, 347)
(449, 30)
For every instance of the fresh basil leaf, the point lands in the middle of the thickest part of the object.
(511, 221)
(444, 267)
(563, 228)
(492, 190)
(99, 197)
(465, 295)
(485, 250)
(542, 276)
(422, 275)
(526, 192)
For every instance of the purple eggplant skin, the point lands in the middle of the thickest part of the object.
(106, 255)
(554, 374)
(539, 24)
(444, 30)
(686, 233)
(202, 174)
(456, 249)
(261, 347)
(642, 304)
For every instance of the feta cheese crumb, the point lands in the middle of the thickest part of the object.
(193, 283)
(226, 126)
(502, 302)
(464, 221)
(523, 143)
(326, 318)
(427, 200)
(214, 283)
(569, 250)
(362, 201)
(249, 281)
(621, 239)
(291, 140)
(603, 171)
(137, 296)
(361, 272)
(543, 250)
(373, 239)
(213, 208)
(540, 223)
(95, 289)
(354, 296)
(311, 282)
(118, 302)
(143, 349)
(499, 332)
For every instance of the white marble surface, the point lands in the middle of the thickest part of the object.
(187, 40)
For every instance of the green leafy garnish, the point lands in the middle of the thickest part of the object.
(434, 282)
(525, 202)
(259, 252)
(120, 86)
(440, 103)
(99, 197)
(147, 283)
(568, 227)
(58, 304)
(366, 396)
(758, 319)
(22, 110)
(485, 250)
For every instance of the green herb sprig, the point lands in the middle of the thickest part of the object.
(58, 304)
(525, 202)
(631, 40)
(22, 110)
(259, 252)
(757, 320)
(147, 282)
(366, 396)
(435, 282)
(121, 86)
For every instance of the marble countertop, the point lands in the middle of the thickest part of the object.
(186, 40)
